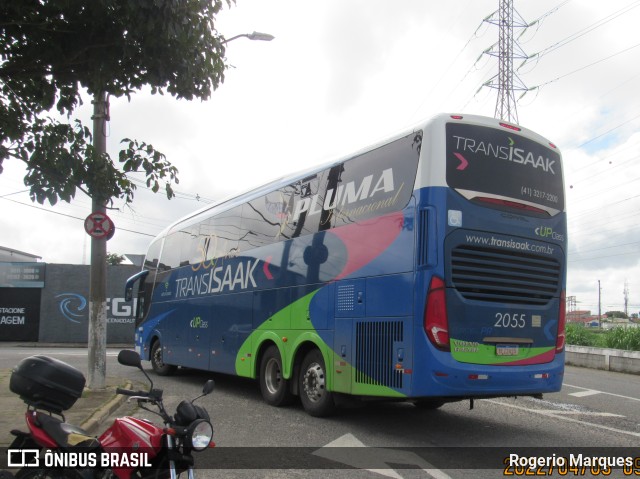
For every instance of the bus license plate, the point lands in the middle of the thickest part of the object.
(507, 349)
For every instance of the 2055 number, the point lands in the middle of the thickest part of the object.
(510, 320)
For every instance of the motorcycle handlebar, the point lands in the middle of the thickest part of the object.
(127, 392)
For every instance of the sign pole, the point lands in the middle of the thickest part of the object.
(97, 336)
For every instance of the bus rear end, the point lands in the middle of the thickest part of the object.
(491, 261)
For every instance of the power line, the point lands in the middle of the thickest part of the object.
(179, 194)
(69, 216)
(582, 68)
(471, 38)
(609, 204)
(580, 33)
(544, 16)
(608, 131)
(602, 257)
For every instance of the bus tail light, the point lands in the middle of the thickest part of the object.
(562, 321)
(510, 127)
(510, 204)
(436, 324)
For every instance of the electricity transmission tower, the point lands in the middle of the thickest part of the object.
(506, 81)
(571, 304)
(626, 299)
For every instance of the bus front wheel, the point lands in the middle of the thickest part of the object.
(157, 363)
(273, 386)
(316, 399)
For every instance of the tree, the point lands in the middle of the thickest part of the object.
(616, 314)
(51, 51)
(114, 259)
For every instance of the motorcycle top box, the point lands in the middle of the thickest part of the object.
(47, 383)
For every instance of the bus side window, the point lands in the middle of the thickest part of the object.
(224, 234)
(145, 285)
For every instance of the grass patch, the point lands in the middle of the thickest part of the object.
(616, 338)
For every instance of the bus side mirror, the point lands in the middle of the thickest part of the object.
(128, 287)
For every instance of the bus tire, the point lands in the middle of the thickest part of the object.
(428, 404)
(316, 399)
(158, 365)
(273, 386)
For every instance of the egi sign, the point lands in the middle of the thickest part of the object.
(74, 307)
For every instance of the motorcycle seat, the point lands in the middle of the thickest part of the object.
(66, 435)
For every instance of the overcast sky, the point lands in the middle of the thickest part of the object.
(344, 73)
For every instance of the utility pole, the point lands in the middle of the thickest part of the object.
(97, 336)
(97, 340)
(626, 299)
(599, 304)
(507, 81)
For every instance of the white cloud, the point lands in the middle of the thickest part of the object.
(341, 74)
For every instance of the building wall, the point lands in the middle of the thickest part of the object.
(19, 314)
(59, 311)
(64, 310)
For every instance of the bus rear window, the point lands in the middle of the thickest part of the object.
(492, 161)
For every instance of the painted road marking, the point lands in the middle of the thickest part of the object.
(79, 353)
(602, 392)
(585, 393)
(559, 415)
(340, 450)
(584, 413)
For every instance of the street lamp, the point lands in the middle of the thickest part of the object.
(265, 37)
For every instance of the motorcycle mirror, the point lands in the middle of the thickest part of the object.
(127, 357)
(208, 387)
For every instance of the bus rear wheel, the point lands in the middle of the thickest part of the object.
(273, 386)
(157, 363)
(316, 399)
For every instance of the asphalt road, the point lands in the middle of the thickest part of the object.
(595, 409)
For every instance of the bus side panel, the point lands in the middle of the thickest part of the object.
(231, 322)
(155, 327)
(268, 303)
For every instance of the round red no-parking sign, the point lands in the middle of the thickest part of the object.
(99, 225)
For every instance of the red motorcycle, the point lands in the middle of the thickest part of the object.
(131, 447)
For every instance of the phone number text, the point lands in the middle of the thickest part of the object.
(539, 194)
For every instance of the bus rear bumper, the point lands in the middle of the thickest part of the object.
(473, 380)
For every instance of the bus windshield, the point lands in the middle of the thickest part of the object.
(503, 163)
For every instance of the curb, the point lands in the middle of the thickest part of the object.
(92, 424)
(603, 358)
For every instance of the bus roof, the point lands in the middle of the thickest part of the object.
(255, 192)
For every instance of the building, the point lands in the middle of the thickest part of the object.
(43, 302)
(14, 256)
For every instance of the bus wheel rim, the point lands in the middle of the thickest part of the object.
(157, 357)
(314, 382)
(273, 376)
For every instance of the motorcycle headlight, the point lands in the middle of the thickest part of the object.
(199, 434)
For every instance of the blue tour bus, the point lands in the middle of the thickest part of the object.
(429, 267)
